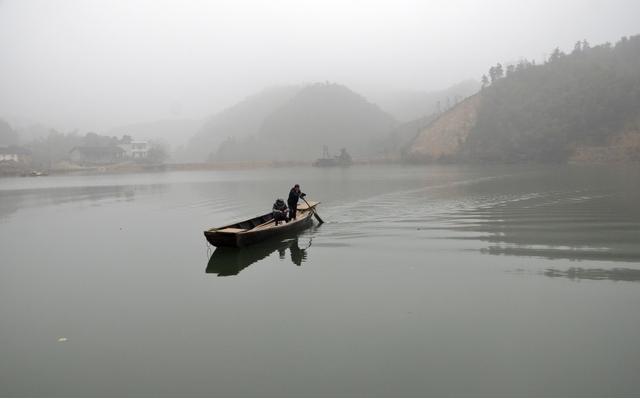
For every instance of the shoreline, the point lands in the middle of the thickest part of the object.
(131, 168)
(126, 168)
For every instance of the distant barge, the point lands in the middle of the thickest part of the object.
(344, 159)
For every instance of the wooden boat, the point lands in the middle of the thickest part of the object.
(259, 228)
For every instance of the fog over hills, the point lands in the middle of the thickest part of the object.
(582, 105)
(409, 105)
(239, 121)
(173, 132)
(293, 123)
(321, 114)
(176, 71)
(325, 114)
(98, 65)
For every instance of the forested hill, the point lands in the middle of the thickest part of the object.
(317, 115)
(582, 105)
(239, 122)
(326, 114)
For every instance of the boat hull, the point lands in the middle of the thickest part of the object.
(240, 239)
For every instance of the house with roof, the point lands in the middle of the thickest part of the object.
(15, 154)
(96, 155)
(135, 149)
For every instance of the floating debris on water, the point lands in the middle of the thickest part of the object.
(62, 339)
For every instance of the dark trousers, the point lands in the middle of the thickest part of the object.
(280, 216)
(293, 208)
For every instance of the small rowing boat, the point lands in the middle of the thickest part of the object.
(260, 228)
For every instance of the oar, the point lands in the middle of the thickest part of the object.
(315, 213)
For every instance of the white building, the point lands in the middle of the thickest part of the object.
(137, 149)
(15, 154)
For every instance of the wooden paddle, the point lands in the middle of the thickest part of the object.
(313, 209)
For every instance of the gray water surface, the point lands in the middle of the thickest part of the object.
(425, 281)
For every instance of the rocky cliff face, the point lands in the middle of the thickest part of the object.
(442, 139)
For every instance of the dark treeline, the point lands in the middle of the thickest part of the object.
(8, 136)
(48, 151)
(543, 112)
(56, 146)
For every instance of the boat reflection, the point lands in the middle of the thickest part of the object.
(231, 261)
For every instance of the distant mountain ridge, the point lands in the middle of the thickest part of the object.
(410, 105)
(325, 114)
(293, 123)
(238, 122)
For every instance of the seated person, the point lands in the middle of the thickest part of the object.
(280, 211)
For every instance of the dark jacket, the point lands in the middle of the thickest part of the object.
(294, 196)
(279, 206)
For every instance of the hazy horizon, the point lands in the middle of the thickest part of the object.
(97, 65)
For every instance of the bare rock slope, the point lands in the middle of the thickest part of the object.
(442, 139)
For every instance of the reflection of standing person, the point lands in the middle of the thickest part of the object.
(294, 195)
(298, 255)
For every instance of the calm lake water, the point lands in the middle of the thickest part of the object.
(425, 281)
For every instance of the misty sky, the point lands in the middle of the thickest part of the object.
(100, 64)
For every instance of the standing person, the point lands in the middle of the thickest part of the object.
(292, 201)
